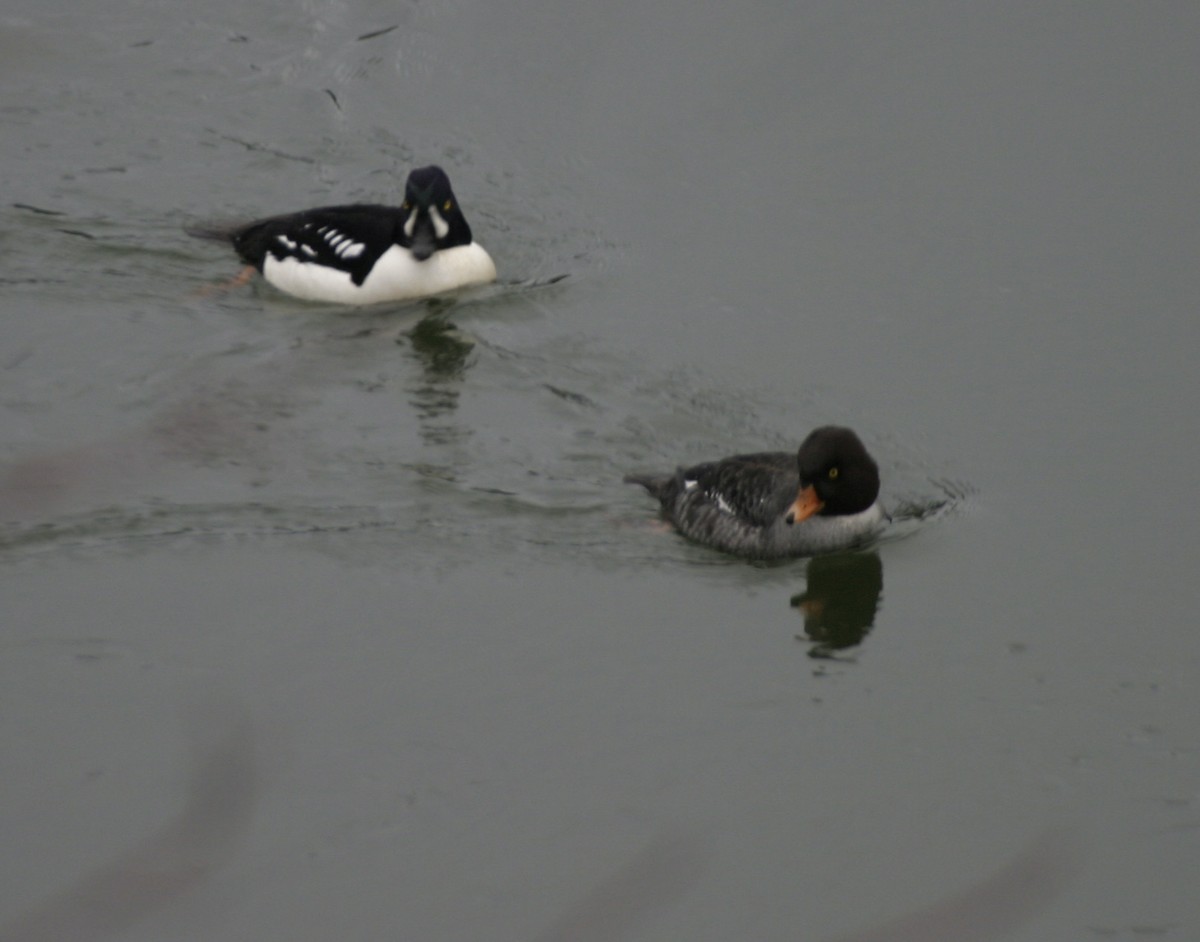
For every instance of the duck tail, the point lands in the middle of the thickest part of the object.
(656, 484)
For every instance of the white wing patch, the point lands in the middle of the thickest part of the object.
(715, 496)
(342, 245)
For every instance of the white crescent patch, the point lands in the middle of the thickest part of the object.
(440, 226)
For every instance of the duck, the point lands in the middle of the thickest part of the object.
(365, 253)
(768, 505)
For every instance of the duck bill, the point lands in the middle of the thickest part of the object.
(424, 239)
(806, 504)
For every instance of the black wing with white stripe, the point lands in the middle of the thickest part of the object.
(346, 238)
(754, 488)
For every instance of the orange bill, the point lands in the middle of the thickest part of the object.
(807, 503)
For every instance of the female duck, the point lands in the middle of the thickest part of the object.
(775, 504)
(365, 253)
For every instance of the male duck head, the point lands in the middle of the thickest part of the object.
(837, 476)
(432, 219)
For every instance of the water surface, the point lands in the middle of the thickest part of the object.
(484, 688)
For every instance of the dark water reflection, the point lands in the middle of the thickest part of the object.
(225, 786)
(840, 602)
(441, 346)
(443, 351)
(188, 851)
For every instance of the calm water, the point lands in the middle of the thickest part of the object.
(474, 692)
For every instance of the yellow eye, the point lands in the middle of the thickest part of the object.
(406, 206)
(833, 473)
(447, 206)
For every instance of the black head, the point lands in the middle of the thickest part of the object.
(432, 219)
(834, 463)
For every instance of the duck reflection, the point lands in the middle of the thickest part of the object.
(840, 602)
(444, 353)
(442, 348)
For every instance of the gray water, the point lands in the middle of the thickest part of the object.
(486, 694)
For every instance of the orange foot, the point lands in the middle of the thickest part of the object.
(241, 278)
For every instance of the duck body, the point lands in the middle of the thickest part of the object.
(777, 504)
(365, 253)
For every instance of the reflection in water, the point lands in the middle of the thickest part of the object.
(841, 600)
(193, 846)
(989, 909)
(222, 792)
(220, 427)
(442, 348)
(997, 905)
(201, 432)
(443, 352)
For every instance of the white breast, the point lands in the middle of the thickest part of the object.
(396, 276)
